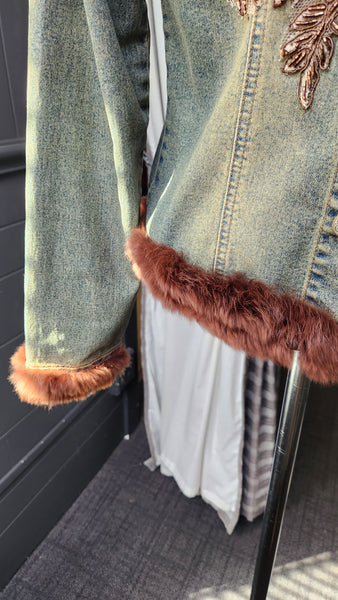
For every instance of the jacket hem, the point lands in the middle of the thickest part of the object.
(247, 314)
(52, 386)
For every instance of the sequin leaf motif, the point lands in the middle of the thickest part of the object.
(246, 7)
(310, 46)
(243, 6)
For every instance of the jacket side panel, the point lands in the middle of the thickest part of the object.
(87, 118)
(205, 79)
(286, 181)
(243, 187)
(244, 174)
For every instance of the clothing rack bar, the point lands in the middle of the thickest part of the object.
(290, 425)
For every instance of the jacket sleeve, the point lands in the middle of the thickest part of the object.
(86, 130)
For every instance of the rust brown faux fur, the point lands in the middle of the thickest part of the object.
(49, 387)
(246, 314)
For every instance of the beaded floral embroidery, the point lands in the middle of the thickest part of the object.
(309, 46)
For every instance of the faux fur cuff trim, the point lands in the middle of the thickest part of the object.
(49, 387)
(246, 314)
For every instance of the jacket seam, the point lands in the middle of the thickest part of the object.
(234, 178)
(305, 290)
(86, 365)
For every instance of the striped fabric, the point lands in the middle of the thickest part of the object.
(259, 437)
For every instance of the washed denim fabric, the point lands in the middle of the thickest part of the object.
(244, 180)
(87, 119)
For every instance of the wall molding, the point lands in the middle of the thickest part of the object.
(12, 156)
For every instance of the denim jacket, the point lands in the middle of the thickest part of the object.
(242, 209)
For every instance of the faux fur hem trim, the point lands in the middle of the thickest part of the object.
(48, 387)
(246, 314)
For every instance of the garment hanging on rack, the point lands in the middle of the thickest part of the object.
(194, 408)
(210, 414)
(257, 224)
(196, 386)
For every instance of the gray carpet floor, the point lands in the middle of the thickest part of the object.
(132, 534)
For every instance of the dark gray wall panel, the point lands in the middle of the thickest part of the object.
(11, 306)
(14, 16)
(26, 434)
(8, 128)
(11, 409)
(12, 198)
(11, 248)
(29, 509)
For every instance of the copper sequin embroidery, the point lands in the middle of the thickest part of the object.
(309, 46)
(245, 6)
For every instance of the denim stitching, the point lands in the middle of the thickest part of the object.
(315, 252)
(83, 365)
(247, 101)
(217, 260)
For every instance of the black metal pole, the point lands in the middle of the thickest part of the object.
(290, 425)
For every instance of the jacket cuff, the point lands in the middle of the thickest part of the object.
(52, 386)
(246, 314)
